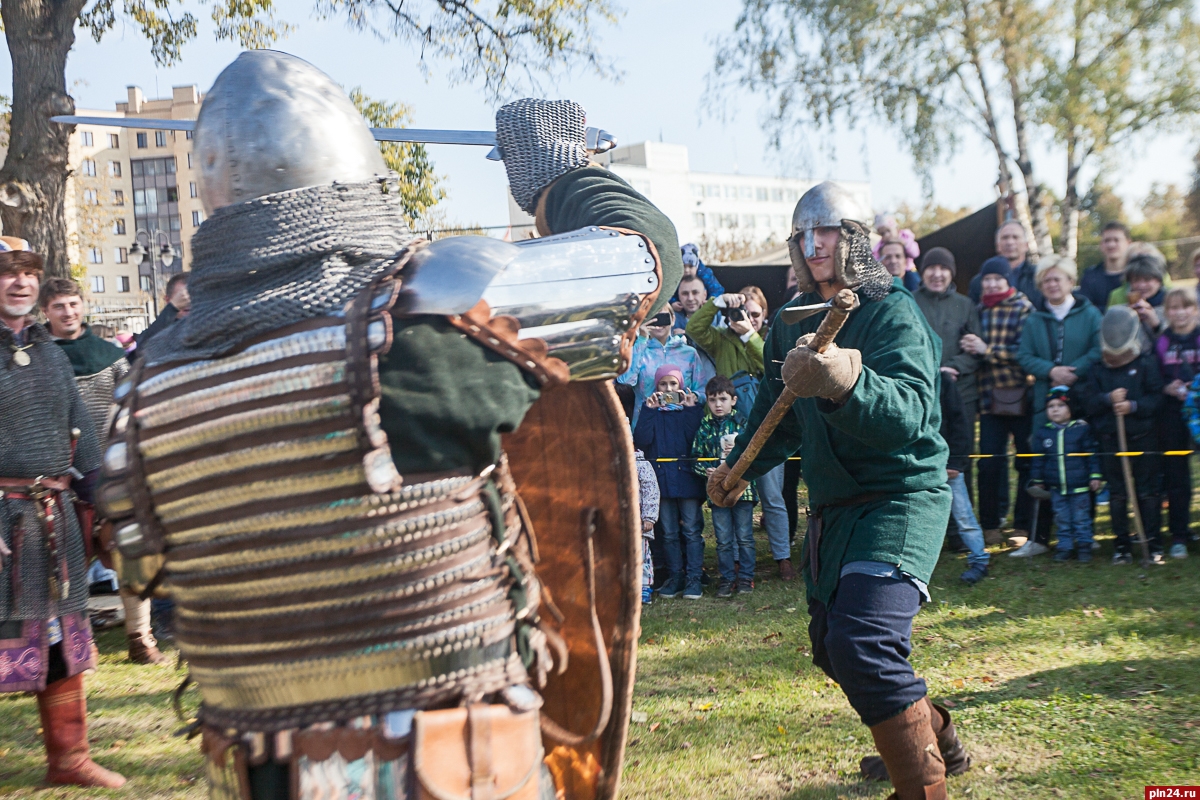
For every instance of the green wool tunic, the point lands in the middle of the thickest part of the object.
(883, 440)
(445, 399)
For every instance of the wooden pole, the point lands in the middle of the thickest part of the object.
(844, 302)
(1131, 490)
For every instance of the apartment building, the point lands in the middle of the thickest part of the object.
(717, 205)
(132, 186)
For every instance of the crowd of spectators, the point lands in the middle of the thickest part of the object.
(1029, 384)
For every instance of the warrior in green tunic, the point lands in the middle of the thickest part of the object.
(866, 428)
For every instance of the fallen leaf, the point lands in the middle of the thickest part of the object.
(704, 707)
(686, 746)
(655, 727)
(770, 636)
(790, 610)
(781, 729)
(949, 703)
(634, 742)
(988, 679)
(712, 690)
(1130, 669)
(695, 620)
(1174, 741)
(639, 716)
(988, 768)
(968, 698)
(959, 683)
(1033, 685)
(758, 756)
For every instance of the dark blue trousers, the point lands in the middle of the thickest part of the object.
(862, 641)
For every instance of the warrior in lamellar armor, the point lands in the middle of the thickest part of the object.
(49, 458)
(342, 455)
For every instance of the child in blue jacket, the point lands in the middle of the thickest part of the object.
(1069, 479)
(665, 430)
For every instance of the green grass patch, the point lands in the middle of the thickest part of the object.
(1073, 680)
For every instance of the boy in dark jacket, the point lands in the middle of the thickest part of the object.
(665, 429)
(1068, 479)
(1128, 383)
(958, 430)
(732, 527)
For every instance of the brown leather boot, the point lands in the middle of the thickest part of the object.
(954, 754)
(910, 752)
(63, 708)
(786, 573)
(143, 650)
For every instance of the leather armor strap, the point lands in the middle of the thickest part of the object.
(499, 334)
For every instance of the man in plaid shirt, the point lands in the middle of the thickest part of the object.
(1002, 383)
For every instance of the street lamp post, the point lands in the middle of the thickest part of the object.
(166, 257)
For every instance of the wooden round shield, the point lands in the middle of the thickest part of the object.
(572, 460)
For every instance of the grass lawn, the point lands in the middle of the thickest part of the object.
(1075, 681)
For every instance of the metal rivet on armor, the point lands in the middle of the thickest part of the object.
(129, 537)
(116, 458)
(641, 243)
(649, 260)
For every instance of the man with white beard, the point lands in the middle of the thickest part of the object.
(49, 457)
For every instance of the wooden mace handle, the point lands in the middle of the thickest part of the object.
(844, 302)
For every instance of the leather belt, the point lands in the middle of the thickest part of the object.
(45, 494)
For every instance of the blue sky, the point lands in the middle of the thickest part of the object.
(664, 50)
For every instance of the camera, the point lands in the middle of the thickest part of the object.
(669, 398)
(661, 320)
(735, 314)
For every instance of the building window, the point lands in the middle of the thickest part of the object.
(95, 256)
(188, 135)
(119, 226)
(777, 195)
(729, 220)
(760, 194)
(746, 192)
(97, 284)
(731, 192)
(122, 257)
(698, 220)
(123, 283)
(764, 221)
(172, 194)
(697, 190)
(91, 197)
(86, 137)
(118, 199)
(175, 223)
(142, 140)
(747, 220)
(193, 190)
(712, 190)
(114, 141)
(114, 169)
(791, 195)
(189, 160)
(88, 167)
(160, 138)
(196, 219)
(146, 282)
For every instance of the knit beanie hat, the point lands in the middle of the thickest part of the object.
(668, 369)
(690, 254)
(942, 257)
(997, 265)
(1059, 393)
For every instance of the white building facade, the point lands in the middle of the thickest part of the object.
(705, 205)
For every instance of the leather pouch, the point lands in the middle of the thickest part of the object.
(482, 752)
(1012, 402)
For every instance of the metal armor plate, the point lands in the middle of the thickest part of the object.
(580, 292)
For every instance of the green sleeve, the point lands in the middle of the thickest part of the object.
(595, 196)
(700, 328)
(1027, 355)
(754, 351)
(895, 401)
(785, 441)
(445, 400)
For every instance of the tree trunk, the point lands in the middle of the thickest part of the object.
(33, 182)
(1070, 204)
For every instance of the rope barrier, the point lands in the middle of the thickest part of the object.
(1119, 453)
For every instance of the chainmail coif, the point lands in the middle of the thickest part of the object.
(540, 140)
(278, 259)
(854, 264)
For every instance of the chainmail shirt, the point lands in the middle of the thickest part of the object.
(41, 406)
(539, 141)
(279, 259)
(97, 393)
